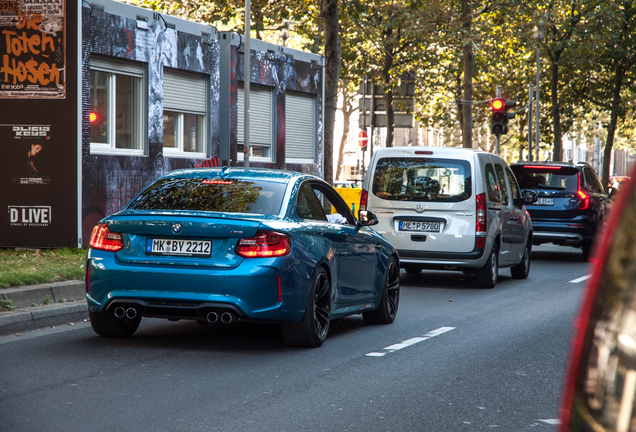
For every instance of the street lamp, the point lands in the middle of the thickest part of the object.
(538, 36)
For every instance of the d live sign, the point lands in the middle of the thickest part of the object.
(30, 216)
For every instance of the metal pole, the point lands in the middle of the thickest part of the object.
(536, 131)
(246, 87)
(530, 121)
(498, 144)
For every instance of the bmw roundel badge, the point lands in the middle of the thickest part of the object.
(176, 228)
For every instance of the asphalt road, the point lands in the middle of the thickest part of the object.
(458, 358)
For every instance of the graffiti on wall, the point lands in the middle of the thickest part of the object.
(32, 49)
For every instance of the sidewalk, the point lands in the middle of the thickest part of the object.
(39, 306)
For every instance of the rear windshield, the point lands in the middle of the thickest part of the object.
(218, 195)
(422, 179)
(548, 177)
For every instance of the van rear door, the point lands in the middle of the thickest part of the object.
(424, 203)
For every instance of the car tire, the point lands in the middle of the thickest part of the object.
(312, 330)
(487, 275)
(522, 270)
(587, 250)
(387, 311)
(412, 270)
(108, 325)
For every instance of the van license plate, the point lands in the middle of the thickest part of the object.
(545, 201)
(169, 247)
(419, 226)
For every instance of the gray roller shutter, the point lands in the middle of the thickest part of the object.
(261, 121)
(126, 67)
(184, 92)
(300, 126)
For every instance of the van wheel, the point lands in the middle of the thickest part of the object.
(487, 275)
(521, 270)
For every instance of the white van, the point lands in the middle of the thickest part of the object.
(451, 209)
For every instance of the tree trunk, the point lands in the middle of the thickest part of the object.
(611, 129)
(557, 149)
(331, 27)
(346, 113)
(460, 105)
(467, 108)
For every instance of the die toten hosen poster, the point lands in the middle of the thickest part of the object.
(38, 134)
(32, 49)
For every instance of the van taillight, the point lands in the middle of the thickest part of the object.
(264, 244)
(363, 199)
(104, 239)
(481, 225)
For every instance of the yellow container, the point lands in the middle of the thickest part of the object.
(351, 196)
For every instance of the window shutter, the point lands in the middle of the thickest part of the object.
(184, 92)
(300, 126)
(261, 120)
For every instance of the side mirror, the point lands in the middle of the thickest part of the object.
(367, 218)
(528, 197)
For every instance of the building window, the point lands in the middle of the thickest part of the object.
(261, 122)
(185, 106)
(300, 127)
(117, 107)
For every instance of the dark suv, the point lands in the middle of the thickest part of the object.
(571, 204)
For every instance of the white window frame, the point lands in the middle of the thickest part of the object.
(185, 105)
(128, 68)
(253, 131)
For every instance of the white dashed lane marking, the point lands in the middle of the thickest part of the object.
(581, 279)
(409, 342)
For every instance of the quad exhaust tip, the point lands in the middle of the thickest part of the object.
(227, 317)
(129, 313)
(213, 317)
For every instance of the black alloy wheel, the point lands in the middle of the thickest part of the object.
(312, 330)
(387, 311)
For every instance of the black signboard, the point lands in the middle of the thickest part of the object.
(39, 116)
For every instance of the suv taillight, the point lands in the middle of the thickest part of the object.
(482, 222)
(585, 198)
(265, 244)
(104, 239)
(363, 199)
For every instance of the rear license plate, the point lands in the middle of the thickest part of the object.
(545, 201)
(419, 226)
(168, 247)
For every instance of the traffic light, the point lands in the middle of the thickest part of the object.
(500, 115)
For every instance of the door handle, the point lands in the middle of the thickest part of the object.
(378, 246)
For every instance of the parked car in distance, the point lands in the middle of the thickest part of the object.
(450, 209)
(222, 245)
(600, 388)
(571, 202)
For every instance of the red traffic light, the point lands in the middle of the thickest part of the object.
(498, 104)
(92, 117)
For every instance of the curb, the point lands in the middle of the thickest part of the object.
(52, 306)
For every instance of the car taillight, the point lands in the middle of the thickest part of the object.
(363, 199)
(265, 244)
(104, 239)
(481, 214)
(585, 199)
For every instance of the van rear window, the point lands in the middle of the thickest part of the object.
(422, 179)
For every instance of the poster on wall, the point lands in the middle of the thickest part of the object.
(39, 124)
(32, 49)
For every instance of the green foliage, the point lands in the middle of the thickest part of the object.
(6, 305)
